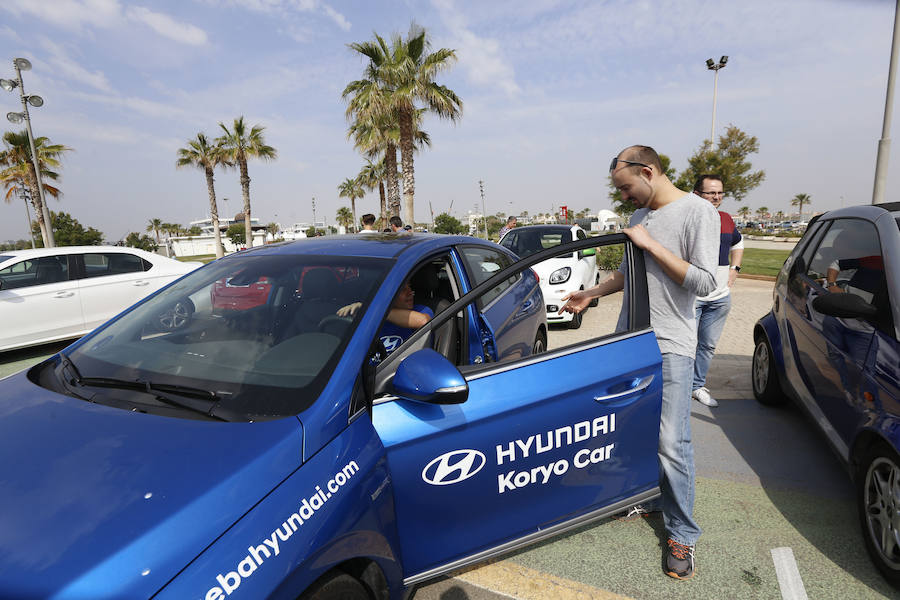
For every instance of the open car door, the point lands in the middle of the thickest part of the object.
(541, 444)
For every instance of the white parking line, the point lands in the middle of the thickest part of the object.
(788, 575)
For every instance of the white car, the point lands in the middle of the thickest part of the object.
(52, 294)
(560, 275)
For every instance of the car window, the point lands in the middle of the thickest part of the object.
(581, 234)
(262, 332)
(526, 242)
(35, 271)
(480, 264)
(98, 264)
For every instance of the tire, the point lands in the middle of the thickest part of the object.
(540, 343)
(575, 323)
(766, 388)
(877, 502)
(337, 586)
(596, 301)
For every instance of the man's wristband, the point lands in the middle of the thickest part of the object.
(736, 268)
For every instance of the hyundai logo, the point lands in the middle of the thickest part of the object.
(453, 467)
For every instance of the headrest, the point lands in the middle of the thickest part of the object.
(425, 279)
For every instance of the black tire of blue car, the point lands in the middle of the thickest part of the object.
(540, 343)
(336, 586)
(879, 470)
(766, 388)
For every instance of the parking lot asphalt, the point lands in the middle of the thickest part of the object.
(765, 481)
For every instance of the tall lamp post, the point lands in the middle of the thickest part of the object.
(715, 67)
(22, 64)
(24, 195)
(884, 144)
(483, 213)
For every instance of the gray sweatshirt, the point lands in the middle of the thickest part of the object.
(689, 228)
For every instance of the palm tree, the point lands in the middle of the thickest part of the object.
(155, 225)
(762, 212)
(799, 200)
(406, 73)
(237, 145)
(370, 176)
(351, 188)
(344, 216)
(744, 212)
(16, 156)
(203, 155)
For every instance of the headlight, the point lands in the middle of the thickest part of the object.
(561, 275)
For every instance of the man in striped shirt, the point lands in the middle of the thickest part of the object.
(712, 310)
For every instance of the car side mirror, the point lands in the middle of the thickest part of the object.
(587, 252)
(844, 305)
(427, 376)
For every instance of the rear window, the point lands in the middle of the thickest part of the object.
(527, 242)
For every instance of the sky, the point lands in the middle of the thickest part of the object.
(551, 91)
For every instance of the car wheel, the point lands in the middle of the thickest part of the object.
(575, 323)
(766, 388)
(338, 586)
(540, 343)
(178, 316)
(878, 503)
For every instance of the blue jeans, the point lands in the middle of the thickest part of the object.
(711, 317)
(676, 454)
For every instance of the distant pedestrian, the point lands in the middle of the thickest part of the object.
(510, 224)
(396, 224)
(678, 233)
(712, 310)
(368, 221)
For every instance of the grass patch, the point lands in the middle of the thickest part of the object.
(204, 258)
(762, 261)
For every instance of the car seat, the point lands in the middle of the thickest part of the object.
(428, 288)
(49, 270)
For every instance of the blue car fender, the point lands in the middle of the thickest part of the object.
(337, 506)
(768, 326)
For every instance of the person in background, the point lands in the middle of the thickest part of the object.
(396, 224)
(510, 224)
(678, 232)
(712, 310)
(368, 221)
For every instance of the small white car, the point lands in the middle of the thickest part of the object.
(561, 275)
(53, 294)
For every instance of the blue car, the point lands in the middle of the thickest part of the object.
(830, 343)
(242, 433)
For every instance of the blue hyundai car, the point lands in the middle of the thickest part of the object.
(830, 343)
(242, 433)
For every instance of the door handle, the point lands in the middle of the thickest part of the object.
(63, 294)
(525, 308)
(140, 282)
(637, 386)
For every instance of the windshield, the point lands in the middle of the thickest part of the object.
(259, 333)
(527, 242)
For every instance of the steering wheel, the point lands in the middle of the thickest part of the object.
(334, 325)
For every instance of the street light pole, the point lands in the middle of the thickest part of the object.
(23, 193)
(22, 64)
(884, 144)
(715, 67)
(484, 214)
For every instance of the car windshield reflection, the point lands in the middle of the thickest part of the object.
(261, 332)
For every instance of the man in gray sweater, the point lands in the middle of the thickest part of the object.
(679, 234)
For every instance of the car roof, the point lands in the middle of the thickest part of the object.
(551, 227)
(38, 252)
(374, 245)
(866, 211)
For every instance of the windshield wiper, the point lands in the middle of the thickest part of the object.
(173, 395)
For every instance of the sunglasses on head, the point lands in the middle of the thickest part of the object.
(616, 159)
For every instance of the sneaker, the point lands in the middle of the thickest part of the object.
(703, 396)
(679, 560)
(638, 511)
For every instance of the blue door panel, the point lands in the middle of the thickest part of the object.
(529, 448)
(338, 505)
(512, 318)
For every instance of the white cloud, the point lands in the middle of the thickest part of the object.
(63, 64)
(337, 17)
(166, 26)
(68, 14)
(286, 7)
(482, 57)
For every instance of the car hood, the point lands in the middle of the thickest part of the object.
(97, 501)
(545, 268)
